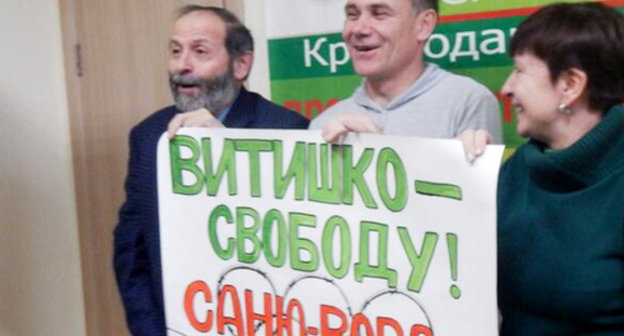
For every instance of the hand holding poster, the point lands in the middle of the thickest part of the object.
(279, 233)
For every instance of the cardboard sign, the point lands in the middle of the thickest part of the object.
(267, 232)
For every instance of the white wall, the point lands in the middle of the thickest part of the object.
(254, 20)
(40, 277)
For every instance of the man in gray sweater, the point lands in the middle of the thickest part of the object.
(400, 93)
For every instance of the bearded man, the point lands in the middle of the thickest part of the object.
(210, 56)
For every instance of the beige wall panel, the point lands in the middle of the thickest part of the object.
(236, 6)
(40, 280)
(121, 80)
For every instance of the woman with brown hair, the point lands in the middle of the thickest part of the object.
(561, 196)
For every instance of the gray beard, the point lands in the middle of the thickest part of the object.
(215, 93)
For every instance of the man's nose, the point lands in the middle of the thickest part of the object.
(183, 63)
(362, 25)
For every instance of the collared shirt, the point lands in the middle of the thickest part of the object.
(224, 114)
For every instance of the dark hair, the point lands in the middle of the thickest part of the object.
(586, 36)
(238, 39)
(421, 5)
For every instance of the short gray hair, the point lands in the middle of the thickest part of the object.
(422, 5)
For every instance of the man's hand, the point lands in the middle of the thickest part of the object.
(197, 118)
(474, 142)
(348, 122)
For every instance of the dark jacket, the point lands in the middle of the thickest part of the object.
(137, 241)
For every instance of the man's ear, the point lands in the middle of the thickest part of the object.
(572, 84)
(242, 66)
(426, 23)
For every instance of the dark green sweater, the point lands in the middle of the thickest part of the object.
(561, 236)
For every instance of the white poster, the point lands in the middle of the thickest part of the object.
(267, 232)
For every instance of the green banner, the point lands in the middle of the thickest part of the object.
(454, 7)
(311, 72)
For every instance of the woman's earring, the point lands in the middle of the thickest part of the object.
(563, 108)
